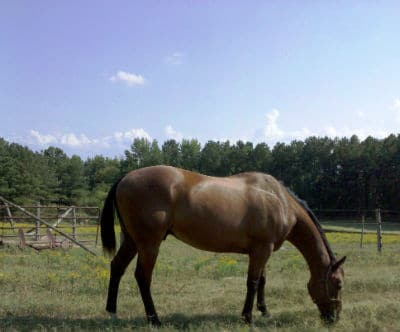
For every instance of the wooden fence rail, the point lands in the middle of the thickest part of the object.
(40, 220)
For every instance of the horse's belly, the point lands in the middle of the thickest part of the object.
(212, 243)
(211, 234)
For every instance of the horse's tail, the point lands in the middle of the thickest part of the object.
(107, 221)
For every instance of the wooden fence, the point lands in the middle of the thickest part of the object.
(41, 226)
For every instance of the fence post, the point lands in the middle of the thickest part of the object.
(362, 230)
(98, 226)
(37, 221)
(21, 236)
(74, 223)
(379, 230)
(10, 217)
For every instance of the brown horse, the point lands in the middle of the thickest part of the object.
(249, 213)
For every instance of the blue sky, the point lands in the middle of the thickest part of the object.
(89, 76)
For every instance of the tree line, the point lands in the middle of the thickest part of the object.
(340, 173)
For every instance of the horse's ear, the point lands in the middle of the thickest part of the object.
(338, 263)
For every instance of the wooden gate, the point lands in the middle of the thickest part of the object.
(42, 227)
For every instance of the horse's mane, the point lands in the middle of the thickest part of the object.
(311, 214)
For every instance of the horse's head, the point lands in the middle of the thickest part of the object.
(325, 292)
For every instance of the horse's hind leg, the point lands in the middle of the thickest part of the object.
(124, 256)
(147, 257)
(261, 306)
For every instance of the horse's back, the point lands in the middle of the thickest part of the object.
(217, 214)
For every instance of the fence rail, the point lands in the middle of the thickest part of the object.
(33, 223)
(379, 221)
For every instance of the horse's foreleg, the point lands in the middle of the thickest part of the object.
(261, 306)
(257, 260)
(145, 264)
(124, 256)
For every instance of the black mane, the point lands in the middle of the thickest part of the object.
(305, 206)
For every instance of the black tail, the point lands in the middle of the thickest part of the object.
(107, 221)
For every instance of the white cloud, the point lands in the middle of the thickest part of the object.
(174, 59)
(42, 139)
(302, 134)
(171, 133)
(128, 78)
(361, 114)
(273, 133)
(271, 129)
(131, 134)
(332, 132)
(72, 140)
(68, 139)
(362, 133)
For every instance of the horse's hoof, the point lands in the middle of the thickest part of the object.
(154, 321)
(113, 316)
(247, 319)
(263, 309)
(266, 314)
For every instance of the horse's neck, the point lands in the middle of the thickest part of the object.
(307, 239)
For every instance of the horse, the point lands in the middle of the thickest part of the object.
(249, 213)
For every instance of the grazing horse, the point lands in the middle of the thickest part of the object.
(248, 213)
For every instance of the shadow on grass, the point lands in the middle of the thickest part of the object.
(169, 322)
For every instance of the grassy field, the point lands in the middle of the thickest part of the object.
(194, 290)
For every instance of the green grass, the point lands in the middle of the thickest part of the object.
(195, 290)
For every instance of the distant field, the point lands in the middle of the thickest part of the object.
(195, 290)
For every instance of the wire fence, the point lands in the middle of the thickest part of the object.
(362, 222)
